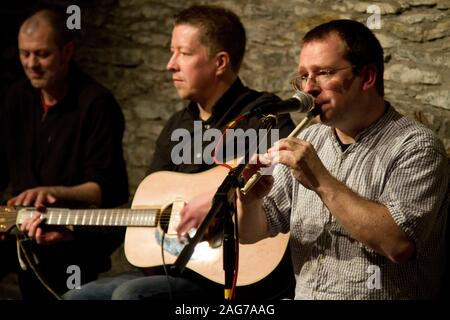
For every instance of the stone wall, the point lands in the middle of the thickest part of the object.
(126, 47)
(130, 47)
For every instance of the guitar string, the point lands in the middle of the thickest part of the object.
(63, 216)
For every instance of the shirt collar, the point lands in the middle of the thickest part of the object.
(374, 128)
(73, 78)
(222, 105)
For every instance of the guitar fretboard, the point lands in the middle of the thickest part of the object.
(95, 217)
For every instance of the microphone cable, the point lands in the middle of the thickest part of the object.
(231, 125)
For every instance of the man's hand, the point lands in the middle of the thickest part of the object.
(251, 215)
(86, 193)
(36, 197)
(44, 235)
(194, 212)
(303, 160)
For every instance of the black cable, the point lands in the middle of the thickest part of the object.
(33, 266)
(166, 272)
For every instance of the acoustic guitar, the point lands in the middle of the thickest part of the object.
(156, 207)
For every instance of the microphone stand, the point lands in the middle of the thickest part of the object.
(222, 209)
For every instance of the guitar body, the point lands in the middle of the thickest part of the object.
(143, 244)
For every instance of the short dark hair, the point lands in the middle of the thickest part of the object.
(362, 47)
(222, 30)
(56, 17)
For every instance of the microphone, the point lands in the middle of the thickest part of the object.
(300, 102)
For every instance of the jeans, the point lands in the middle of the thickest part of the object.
(136, 286)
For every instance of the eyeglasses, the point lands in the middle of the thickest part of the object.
(321, 77)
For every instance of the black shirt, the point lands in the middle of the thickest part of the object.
(237, 100)
(76, 141)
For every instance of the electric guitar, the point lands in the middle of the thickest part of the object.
(156, 207)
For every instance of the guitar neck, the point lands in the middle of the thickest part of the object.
(95, 217)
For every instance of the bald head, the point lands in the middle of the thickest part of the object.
(34, 23)
(38, 27)
(50, 22)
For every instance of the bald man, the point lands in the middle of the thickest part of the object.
(61, 135)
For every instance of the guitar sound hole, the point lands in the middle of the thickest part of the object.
(164, 219)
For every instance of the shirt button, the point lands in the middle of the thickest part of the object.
(207, 126)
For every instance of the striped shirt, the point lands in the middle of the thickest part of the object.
(396, 162)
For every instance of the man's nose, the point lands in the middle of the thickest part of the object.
(311, 86)
(32, 61)
(172, 65)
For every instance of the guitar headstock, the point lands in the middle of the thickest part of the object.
(8, 217)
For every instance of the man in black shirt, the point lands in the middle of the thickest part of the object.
(61, 145)
(208, 45)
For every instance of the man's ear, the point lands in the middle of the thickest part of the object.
(369, 76)
(68, 51)
(222, 62)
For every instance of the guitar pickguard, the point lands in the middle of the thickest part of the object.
(174, 246)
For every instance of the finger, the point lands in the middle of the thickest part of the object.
(185, 223)
(275, 146)
(183, 229)
(24, 226)
(40, 198)
(264, 160)
(29, 198)
(37, 219)
(260, 159)
(284, 157)
(280, 144)
(19, 199)
(39, 236)
(11, 202)
(286, 144)
(185, 226)
(183, 220)
(51, 198)
(29, 224)
(184, 210)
